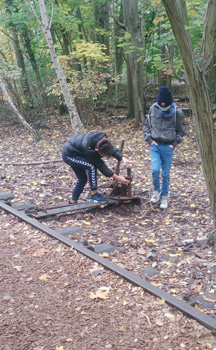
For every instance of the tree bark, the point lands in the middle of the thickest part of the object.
(143, 29)
(33, 61)
(196, 71)
(136, 67)
(118, 52)
(101, 16)
(19, 54)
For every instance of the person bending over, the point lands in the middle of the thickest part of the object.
(85, 152)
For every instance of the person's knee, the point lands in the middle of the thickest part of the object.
(155, 172)
(166, 176)
(83, 181)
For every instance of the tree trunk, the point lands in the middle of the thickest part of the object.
(81, 27)
(33, 61)
(196, 72)
(130, 97)
(19, 54)
(21, 118)
(143, 29)
(101, 16)
(118, 54)
(163, 78)
(76, 123)
(136, 67)
(211, 81)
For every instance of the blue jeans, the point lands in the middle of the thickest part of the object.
(161, 158)
(80, 165)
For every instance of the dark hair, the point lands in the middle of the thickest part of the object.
(105, 148)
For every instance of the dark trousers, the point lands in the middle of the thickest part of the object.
(80, 165)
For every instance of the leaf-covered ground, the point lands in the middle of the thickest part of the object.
(47, 291)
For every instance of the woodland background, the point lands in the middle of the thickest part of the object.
(69, 66)
(78, 57)
(95, 41)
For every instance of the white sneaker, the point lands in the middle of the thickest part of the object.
(155, 197)
(164, 202)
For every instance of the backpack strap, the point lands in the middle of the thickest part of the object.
(175, 117)
(149, 121)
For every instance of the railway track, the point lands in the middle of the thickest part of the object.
(182, 306)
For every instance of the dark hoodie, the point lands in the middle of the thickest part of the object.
(84, 145)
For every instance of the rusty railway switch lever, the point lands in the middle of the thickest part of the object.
(129, 177)
(122, 192)
(126, 189)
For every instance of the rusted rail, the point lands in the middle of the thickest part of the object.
(187, 309)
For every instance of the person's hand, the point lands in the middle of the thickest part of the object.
(154, 143)
(171, 146)
(121, 179)
(126, 161)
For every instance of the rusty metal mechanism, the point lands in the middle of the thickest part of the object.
(121, 192)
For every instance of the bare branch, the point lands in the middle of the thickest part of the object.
(34, 163)
(36, 16)
(114, 17)
(15, 110)
(52, 14)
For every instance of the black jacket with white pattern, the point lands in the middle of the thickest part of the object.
(84, 145)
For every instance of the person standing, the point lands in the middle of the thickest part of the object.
(84, 153)
(164, 129)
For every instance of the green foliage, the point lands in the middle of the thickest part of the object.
(91, 81)
(87, 68)
(89, 51)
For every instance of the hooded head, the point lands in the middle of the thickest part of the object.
(164, 98)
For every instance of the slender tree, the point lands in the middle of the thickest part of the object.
(133, 27)
(18, 51)
(45, 26)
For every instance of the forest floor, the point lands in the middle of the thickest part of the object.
(47, 290)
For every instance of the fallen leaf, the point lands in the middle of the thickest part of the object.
(168, 263)
(44, 277)
(141, 251)
(170, 316)
(18, 268)
(101, 293)
(86, 223)
(40, 252)
(197, 307)
(211, 300)
(104, 255)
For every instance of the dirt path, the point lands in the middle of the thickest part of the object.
(47, 291)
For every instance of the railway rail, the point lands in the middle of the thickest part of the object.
(182, 306)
